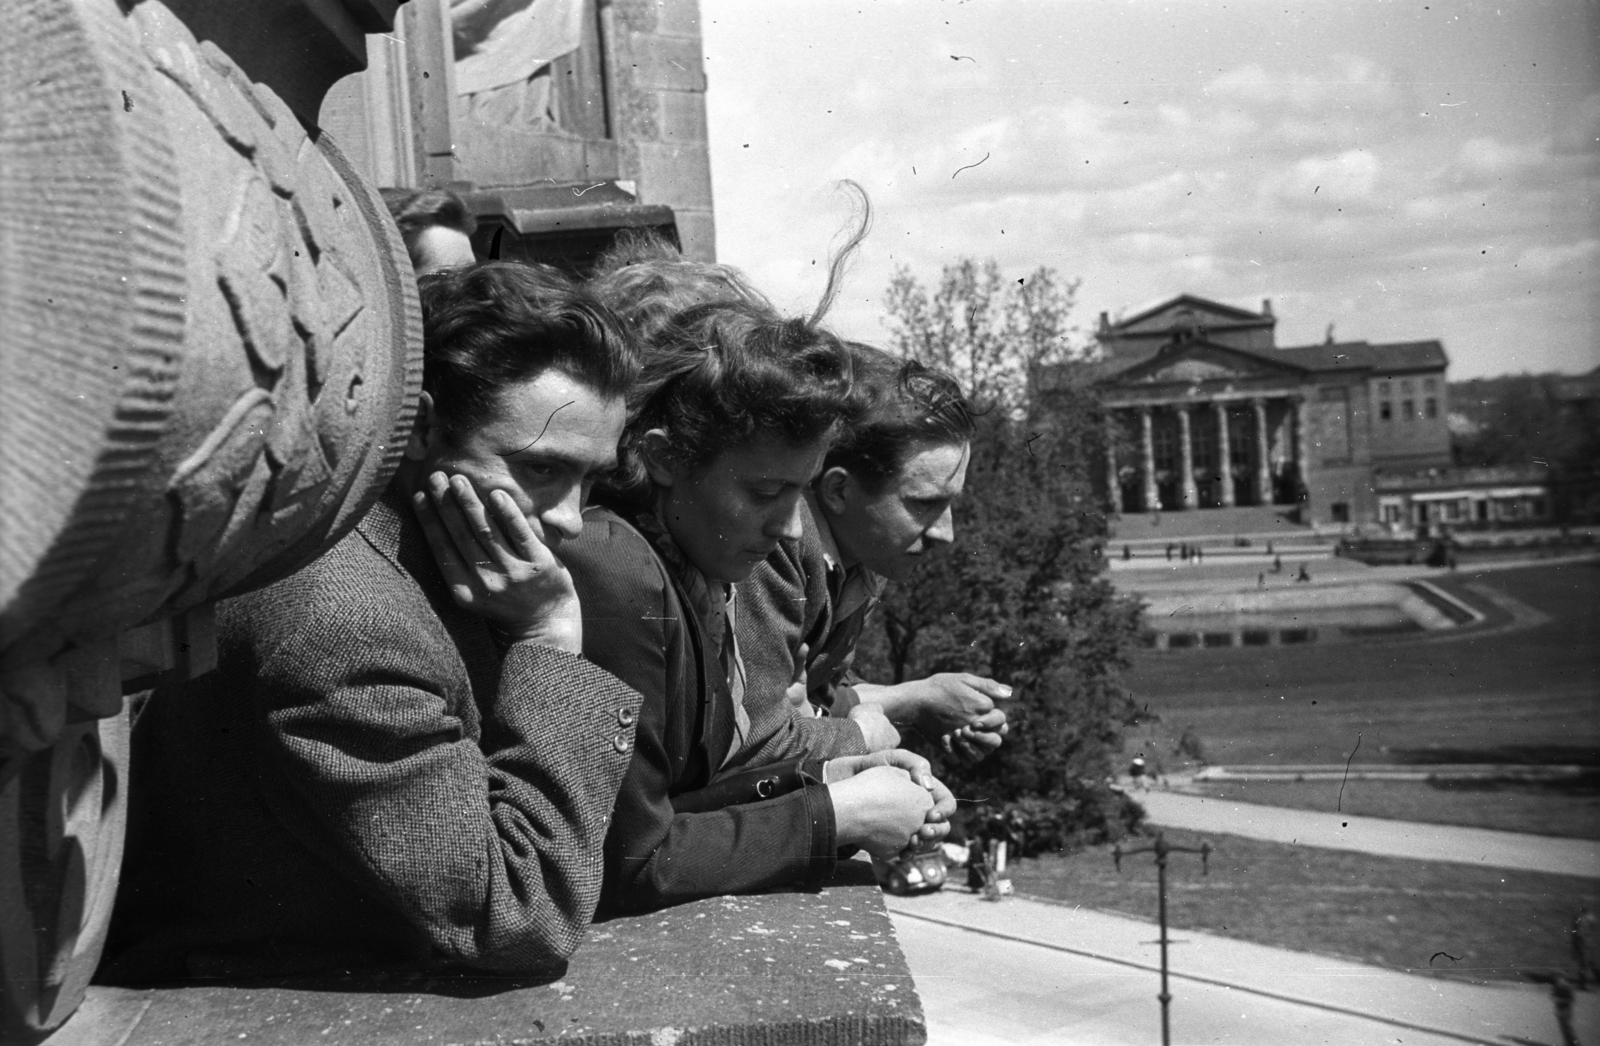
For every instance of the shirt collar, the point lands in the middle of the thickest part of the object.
(830, 548)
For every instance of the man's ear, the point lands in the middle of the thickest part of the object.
(653, 452)
(831, 488)
(425, 431)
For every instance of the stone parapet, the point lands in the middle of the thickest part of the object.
(783, 968)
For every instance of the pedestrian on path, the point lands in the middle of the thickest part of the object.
(1137, 772)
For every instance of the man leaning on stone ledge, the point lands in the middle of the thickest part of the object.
(353, 788)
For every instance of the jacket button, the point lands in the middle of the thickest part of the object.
(766, 787)
(626, 717)
(621, 742)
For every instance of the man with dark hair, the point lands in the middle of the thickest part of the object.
(402, 760)
(436, 226)
(882, 500)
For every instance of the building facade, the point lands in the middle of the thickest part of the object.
(561, 122)
(1206, 411)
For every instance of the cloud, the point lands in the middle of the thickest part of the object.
(1348, 177)
(1378, 184)
(1540, 259)
(1351, 81)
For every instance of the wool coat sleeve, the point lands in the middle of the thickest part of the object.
(781, 607)
(481, 821)
(635, 626)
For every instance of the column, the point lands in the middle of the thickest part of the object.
(1187, 491)
(1113, 481)
(1302, 440)
(1302, 454)
(1263, 466)
(1224, 454)
(1152, 496)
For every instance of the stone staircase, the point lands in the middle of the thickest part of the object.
(1208, 526)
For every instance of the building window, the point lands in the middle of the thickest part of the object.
(1408, 409)
(1429, 385)
(1340, 510)
(1384, 389)
(1385, 410)
(1432, 407)
(1406, 388)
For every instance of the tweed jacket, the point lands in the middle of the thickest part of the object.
(673, 837)
(368, 779)
(788, 602)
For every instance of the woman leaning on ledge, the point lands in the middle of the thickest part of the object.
(729, 422)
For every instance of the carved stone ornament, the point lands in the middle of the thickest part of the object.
(210, 353)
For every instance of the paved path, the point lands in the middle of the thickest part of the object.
(1375, 835)
(1235, 576)
(1031, 973)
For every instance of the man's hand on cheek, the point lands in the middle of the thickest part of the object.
(496, 565)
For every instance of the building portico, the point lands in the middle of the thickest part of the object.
(1182, 443)
(1203, 410)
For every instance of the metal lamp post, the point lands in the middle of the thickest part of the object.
(1161, 848)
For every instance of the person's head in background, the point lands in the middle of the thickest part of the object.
(524, 389)
(435, 225)
(888, 482)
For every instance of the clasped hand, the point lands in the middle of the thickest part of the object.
(497, 566)
(885, 801)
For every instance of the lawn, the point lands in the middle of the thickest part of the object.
(1527, 692)
(1569, 809)
(1458, 921)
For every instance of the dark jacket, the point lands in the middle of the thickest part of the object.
(785, 603)
(368, 779)
(674, 837)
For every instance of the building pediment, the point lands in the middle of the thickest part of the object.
(1187, 312)
(1201, 363)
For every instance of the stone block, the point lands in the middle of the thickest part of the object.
(783, 968)
(638, 114)
(676, 175)
(683, 116)
(678, 18)
(697, 232)
(665, 63)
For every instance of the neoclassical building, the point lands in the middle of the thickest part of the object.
(1206, 411)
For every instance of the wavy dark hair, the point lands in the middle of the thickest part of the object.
(725, 373)
(497, 323)
(899, 404)
(721, 367)
(646, 281)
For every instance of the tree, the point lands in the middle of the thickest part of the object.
(1022, 597)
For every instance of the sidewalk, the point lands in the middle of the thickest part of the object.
(1374, 835)
(1023, 971)
(1333, 570)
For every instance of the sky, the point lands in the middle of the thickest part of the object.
(1401, 171)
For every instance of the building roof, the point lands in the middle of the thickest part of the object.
(1361, 355)
(1237, 316)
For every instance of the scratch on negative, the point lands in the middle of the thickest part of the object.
(546, 428)
(968, 167)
